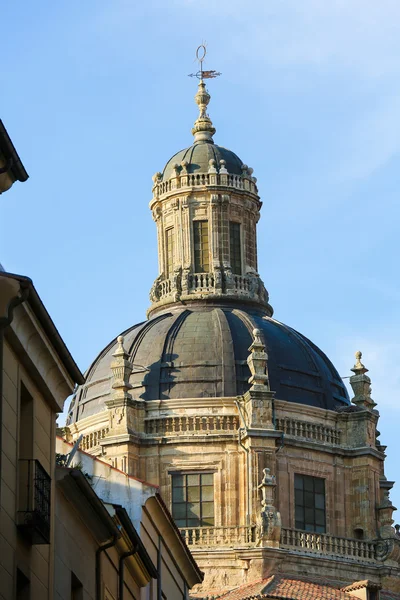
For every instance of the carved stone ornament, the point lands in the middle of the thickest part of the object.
(121, 369)
(257, 362)
(155, 292)
(385, 511)
(388, 550)
(268, 528)
(361, 384)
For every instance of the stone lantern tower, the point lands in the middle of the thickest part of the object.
(206, 207)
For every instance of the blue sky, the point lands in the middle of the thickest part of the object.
(96, 98)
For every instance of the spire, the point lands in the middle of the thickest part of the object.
(203, 129)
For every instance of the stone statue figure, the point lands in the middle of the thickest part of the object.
(269, 523)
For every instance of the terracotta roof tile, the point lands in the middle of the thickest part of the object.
(250, 590)
(284, 588)
(295, 589)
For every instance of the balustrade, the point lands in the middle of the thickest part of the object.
(241, 283)
(291, 539)
(201, 281)
(308, 430)
(91, 440)
(322, 543)
(218, 536)
(165, 287)
(201, 179)
(189, 424)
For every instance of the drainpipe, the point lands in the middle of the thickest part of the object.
(99, 550)
(121, 571)
(159, 565)
(5, 321)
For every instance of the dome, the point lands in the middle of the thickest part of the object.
(202, 351)
(198, 156)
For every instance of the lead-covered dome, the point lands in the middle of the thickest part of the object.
(202, 352)
(197, 159)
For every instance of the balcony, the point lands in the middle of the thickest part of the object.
(327, 545)
(294, 540)
(218, 536)
(33, 516)
(191, 424)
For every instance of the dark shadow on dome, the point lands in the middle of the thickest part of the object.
(201, 352)
(157, 381)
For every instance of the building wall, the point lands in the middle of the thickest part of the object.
(75, 559)
(115, 487)
(341, 448)
(75, 552)
(172, 582)
(33, 560)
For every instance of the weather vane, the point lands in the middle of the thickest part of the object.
(200, 56)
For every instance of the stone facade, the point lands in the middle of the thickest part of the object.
(255, 444)
(156, 561)
(36, 375)
(241, 439)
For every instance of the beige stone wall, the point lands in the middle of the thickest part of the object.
(171, 578)
(351, 473)
(340, 448)
(34, 561)
(75, 553)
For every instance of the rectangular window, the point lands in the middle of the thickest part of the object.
(23, 586)
(235, 248)
(25, 441)
(309, 503)
(201, 247)
(193, 499)
(76, 588)
(169, 251)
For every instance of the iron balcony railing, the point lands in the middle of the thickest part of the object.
(33, 516)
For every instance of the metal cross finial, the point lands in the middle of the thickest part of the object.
(200, 56)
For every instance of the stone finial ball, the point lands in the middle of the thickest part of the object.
(358, 354)
(256, 332)
(120, 339)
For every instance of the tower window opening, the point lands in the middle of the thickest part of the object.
(193, 499)
(309, 503)
(169, 251)
(235, 248)
(201, 247)
(359, 533)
